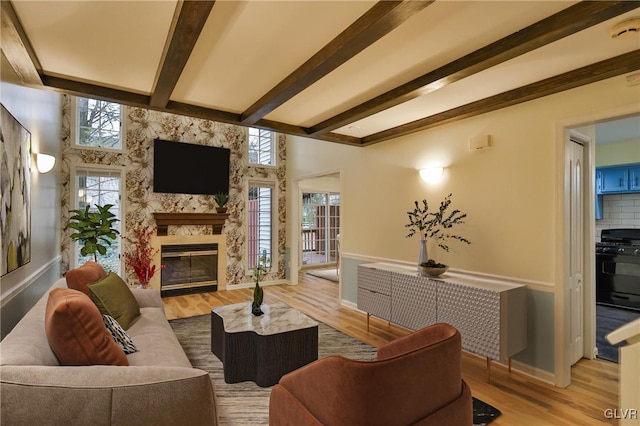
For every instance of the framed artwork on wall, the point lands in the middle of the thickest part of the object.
(15, 193)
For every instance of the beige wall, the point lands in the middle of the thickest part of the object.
(509, 191)
(512, 193)
(618, 153)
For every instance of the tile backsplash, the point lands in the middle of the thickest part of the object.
(619, 211)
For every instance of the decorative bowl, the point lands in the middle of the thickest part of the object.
(429, 271)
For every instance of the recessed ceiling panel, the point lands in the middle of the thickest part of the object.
(578, 50)
(437, 35)
(246, 48)
(115, 43)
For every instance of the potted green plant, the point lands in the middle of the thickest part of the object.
(434, 225)
(262, 267)
(221, 199)
(94, 229)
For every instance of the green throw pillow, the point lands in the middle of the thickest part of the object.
(113, 297)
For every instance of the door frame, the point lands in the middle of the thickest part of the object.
(562, 358)
(294, 213)
(327, 229)
(588, 275)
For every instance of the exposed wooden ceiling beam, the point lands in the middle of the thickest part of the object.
(378, 21)
(188, 21)
(609, 68)
(16, 47)
(78, 88)
(562, 24)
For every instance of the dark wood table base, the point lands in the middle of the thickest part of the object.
(262, 359)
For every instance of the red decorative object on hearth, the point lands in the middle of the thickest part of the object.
(141, 257)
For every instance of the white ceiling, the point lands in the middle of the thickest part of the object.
(246, 48)
(622, 130)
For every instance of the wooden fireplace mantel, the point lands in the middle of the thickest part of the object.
(216, 220)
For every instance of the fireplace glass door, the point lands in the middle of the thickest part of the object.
(189, 266)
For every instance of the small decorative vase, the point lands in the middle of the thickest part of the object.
(255, 310)
(423, 257)
(258, 296)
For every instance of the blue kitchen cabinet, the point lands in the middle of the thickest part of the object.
(634, 178)
(618, 179)
(612, 180)
(623, 179)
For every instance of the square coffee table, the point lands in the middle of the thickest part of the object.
(262, 349)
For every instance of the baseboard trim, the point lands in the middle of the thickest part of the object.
(17, 289)
(251, 285)
(533, 372)
(349, 304)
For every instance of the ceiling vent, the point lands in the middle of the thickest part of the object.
(626, 29)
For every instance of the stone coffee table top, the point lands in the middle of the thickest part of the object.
(277, 318)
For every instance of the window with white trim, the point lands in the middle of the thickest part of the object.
(99, 186)
(262, 147)
(261, 212)
(97, 124)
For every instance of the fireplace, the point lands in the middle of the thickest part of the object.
(188, 268)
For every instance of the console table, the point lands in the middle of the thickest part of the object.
(264, 348)
(490, 315)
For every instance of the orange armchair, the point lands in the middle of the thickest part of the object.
(416, 380)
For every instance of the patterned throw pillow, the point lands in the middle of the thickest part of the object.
(119, 335)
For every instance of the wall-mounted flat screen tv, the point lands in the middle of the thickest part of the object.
(182, 168)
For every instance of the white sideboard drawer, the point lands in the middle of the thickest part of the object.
(413, 300)
(374, 303)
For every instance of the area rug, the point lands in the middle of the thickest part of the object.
(248, 404)
(327, 274)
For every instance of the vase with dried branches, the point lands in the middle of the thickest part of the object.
(435, 225)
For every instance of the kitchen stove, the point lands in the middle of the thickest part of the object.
(623, 241)
(618, 268)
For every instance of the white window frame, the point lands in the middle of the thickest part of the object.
(73, 261)
(274, 154)
(272, 184)
(75, 132)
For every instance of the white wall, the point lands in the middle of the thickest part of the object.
(39, 112)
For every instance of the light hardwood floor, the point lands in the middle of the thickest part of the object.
(523, 400)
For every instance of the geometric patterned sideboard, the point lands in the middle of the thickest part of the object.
(490, 315)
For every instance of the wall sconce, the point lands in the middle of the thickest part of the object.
(45, 162)
(432, 174)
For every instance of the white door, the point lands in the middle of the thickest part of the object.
(576, 261)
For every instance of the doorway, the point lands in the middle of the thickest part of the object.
(319, 234)
(568, 318)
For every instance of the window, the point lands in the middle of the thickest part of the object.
(99, 186)
(98, 124)
(261, 147)
(260, 223)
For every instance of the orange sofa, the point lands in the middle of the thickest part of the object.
(416, 380)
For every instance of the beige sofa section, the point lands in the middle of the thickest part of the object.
(159, 387)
